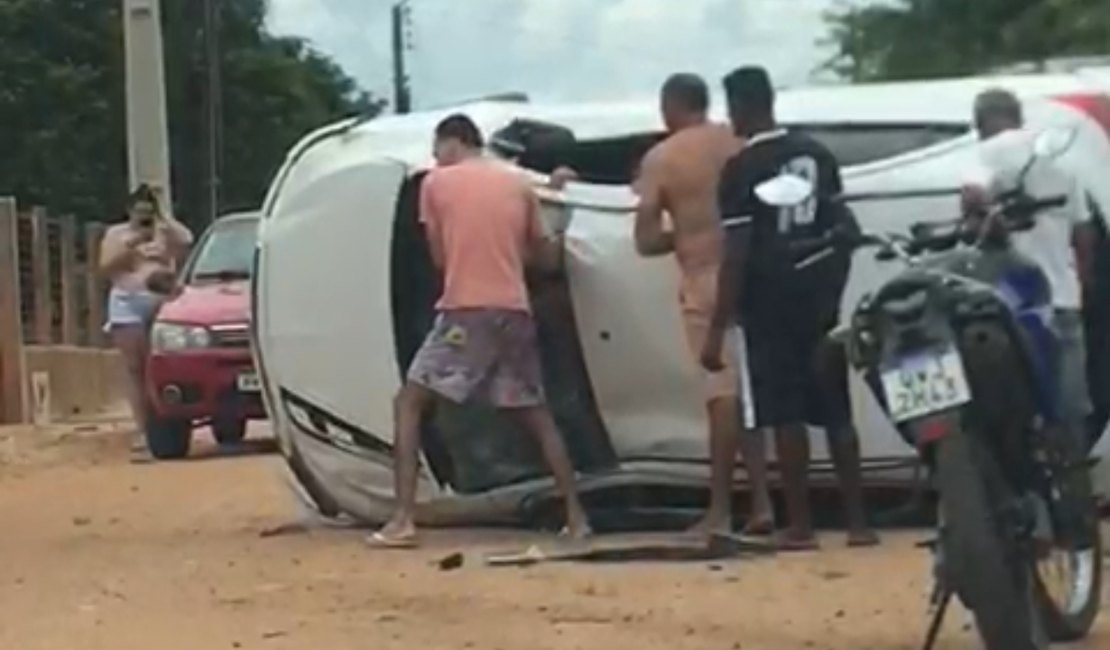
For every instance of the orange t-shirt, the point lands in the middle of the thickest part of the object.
(480, 218)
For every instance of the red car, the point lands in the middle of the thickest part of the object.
(200, 371)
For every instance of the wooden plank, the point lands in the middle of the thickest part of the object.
(636, 548)
(94, 285)
(67, 248)
(43, 316)
(13, 401)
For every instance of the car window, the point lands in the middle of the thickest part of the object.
(227, 252)
(859, 144)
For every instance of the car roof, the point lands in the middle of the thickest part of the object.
(406, 139)
(947, 101)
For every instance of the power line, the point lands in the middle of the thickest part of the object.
(401, 23)
(214, 107)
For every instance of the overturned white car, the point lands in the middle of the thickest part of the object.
(344, 291)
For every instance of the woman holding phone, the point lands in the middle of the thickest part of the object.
(139, 257)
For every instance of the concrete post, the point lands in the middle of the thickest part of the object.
(41, 281)
(67, 267)
(95, 291)
(147, 137)
(13, 401)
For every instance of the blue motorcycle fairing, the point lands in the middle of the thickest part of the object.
(1026, 291)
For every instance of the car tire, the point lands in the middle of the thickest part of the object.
(168, 438)
(229, 430)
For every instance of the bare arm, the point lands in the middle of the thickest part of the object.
(178, 238)
(545, 254)
(736, 219)
(117, 253)
(1084, 239)
(429, 218)
(730, 280)
(651, 239)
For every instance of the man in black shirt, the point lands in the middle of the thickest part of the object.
(784, 290)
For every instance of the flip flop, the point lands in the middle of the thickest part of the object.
(763, 528)
(382, 541)
(868, 540)
(786, 544)
(141, 456)
(584, 536)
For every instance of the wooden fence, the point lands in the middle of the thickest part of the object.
(50, 293)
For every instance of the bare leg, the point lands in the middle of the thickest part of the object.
(131, 341)
(762, 519)
(845, 452)
(409, 408)
(539, 422)
(793, 451)
(723, 440)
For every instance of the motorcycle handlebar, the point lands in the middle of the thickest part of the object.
(932, 236)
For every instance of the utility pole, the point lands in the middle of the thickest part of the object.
(213, 108)
(402, 93)
(148, 158)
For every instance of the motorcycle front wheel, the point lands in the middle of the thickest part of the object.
(982, 562)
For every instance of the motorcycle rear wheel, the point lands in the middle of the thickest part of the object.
(982, 563)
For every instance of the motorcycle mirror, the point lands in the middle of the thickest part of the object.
(784, 190)
(1053, 141)
(840, 335)
(885, 255)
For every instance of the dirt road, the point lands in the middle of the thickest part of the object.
(96, 554)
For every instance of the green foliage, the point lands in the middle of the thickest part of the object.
(62, 109)
(916, 39)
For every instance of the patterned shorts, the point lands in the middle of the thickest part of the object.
(486, 354)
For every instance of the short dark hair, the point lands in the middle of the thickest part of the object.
(462, 128)
(687, 90)
(749, 89)
(144, 193)
(998, 103)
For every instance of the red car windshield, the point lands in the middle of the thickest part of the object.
(227, 253)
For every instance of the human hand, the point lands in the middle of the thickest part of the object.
(974, 199)
(711, 352)
(164, 283)
(560, 177)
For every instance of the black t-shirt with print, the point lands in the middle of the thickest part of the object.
(776, 273)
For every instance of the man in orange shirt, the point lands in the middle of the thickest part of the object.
(483, 227)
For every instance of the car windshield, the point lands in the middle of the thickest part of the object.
(227, 252)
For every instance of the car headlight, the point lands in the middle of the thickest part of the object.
(170, 337)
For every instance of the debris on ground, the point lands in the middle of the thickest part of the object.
(450, 562)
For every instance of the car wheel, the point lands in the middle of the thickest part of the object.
(229, 431)
(169, 439)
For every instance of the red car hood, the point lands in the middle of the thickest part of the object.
(209, 304)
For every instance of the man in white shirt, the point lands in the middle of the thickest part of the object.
(1061, 241)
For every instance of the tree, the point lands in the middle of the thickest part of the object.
(915, 39)
(275, 89)
(62, 121)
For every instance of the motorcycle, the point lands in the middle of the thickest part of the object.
(958, 349)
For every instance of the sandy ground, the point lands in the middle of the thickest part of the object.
(95, 553)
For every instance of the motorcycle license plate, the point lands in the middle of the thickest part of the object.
(925, 384)
(248, 382)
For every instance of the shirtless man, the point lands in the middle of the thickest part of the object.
(679, 176)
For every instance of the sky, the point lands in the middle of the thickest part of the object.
(560, 50)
